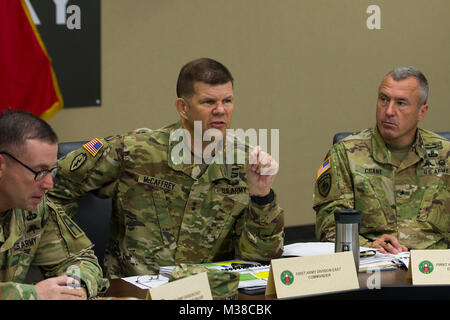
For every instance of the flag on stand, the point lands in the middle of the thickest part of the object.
(27, 79)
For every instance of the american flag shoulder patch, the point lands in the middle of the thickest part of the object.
(324, 167)
(93, 146)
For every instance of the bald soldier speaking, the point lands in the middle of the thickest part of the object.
(167, 211)
(396, 174)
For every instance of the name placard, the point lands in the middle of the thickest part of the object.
(194, 287)
(430, 267)
(301, 276)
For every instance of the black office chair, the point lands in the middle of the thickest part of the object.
(341, 135)
(93, 213)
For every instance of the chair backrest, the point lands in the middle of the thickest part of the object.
(341, 135)
(93, 213)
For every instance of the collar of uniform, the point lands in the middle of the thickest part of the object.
(13, 228)
(4, 222)
(418, 145)
(381, 153)
(214, 171)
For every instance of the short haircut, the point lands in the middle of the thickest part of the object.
(17, 126)
(204, 70)
(402, 73)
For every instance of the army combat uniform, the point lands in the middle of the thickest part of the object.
(46, 238)
(166, 213)
(409, 200)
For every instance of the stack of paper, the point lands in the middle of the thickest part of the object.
(305, 249)
(383, 262)
(252, 275)
(376, 261)
(255, 276)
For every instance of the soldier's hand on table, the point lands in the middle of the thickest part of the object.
(388, 244)
(57, 289)
(261, 172)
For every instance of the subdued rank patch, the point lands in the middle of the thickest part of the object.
(234, 172)
(78, 161)
(324, 184)
(73, 228)
(31, 216)
(157, 182)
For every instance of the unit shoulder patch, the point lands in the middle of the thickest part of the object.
(324, 184)
(78, 161)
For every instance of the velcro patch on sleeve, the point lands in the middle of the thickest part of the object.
(71, 226)
(93, 146)
(324, 167)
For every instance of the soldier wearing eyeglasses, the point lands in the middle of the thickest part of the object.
(33, 230)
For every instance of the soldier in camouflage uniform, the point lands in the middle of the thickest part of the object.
(166, 211)
(223, 284)
(396, 174)
(34, 231)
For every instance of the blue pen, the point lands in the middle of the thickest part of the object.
(378, 269)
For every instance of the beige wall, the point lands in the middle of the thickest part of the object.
(307, 67)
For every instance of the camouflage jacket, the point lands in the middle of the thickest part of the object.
(43, 238)
(166, 213)
(409, 200)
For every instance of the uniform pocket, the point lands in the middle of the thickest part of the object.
(371, 199)
(138, 219)
(23, 264)
(435, 207)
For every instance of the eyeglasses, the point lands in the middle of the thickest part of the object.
(147, 280)
(38, 175)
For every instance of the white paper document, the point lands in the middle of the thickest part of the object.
(306, 249)
(385, 261)
(376, 261)
(147, 281)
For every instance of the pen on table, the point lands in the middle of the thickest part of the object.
(378, 269)
(243, 265)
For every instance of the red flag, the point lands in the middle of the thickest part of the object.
(27, 79)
